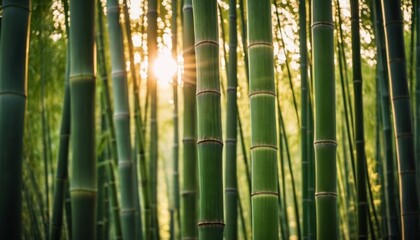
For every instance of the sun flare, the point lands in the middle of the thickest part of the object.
(165, 67)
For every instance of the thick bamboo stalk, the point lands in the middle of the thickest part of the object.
(264, 194)
(325, 143)
(189, 181)
(231, 182)
(409, 204)
(83, 185)
(122, 120)
(14, 43)
(209, 125)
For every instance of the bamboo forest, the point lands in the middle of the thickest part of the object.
(209, 119)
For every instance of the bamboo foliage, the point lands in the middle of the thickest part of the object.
(209, 126)
(409, 204)
(325, 143)
(83, 185)
(264, 193)
(122, 121)
(189, 164)
(13, 76)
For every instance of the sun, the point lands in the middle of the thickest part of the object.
(165, 67)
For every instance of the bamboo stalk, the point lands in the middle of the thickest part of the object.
(189, 181)
(325, 143)
(409, 204)
(83, 185)
(14, 43)
(264, 194)
(231, 182)
(209, 126)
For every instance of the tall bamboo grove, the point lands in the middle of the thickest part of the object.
(83, 184)
(397, 72)
(325, 120)
(13, 76)
(189, 161)
(209, 124)
(264, 192)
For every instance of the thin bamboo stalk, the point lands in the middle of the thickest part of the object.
(103, 74)
(362, 204)
(231, 182)
(61, 178)
(152, 14)
(175, 172)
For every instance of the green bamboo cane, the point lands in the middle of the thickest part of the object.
(13, 75)
(82, 94)
(43, 121)
(122, 121)
(100, 224)
(344, 90)
(139, 142)
(286, 145)
(152, 88)
(175, 173)
(311, 164)
(67, 208)
(35, 232)
(283, 47)
(306, 220)
(231, 182)
(61, 178)
(325, 143)
(209, 126)
(282, 201)
(342, 47)
(417, 91)
(189, 174)
(114, 203)
(362, 204)
(264, 194)
(106, 211)
(402, 118)
(244, 39)
(242, 218)
(139, 131)
(244, 151)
